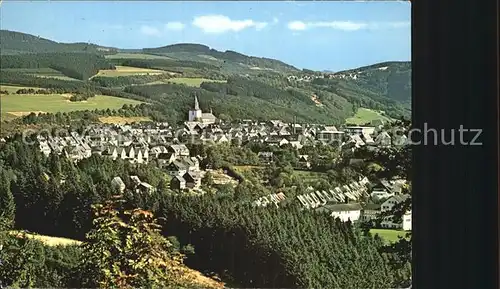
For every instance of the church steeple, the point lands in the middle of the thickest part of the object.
(196, 104)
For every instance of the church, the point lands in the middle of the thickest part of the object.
(197, 116)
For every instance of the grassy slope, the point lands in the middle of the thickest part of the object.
(126, 71)
(50, 241)
(365, 115)
(388, 234)
(195, 82)
(191, 274)
(42, 72)
(55, 102)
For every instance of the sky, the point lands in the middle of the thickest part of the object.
(326, 35)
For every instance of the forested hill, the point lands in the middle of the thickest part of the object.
(13, 42)
(212, 55)
(234, 85)
(391, 79)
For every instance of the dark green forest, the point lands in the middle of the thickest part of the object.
(75, 65)
(253, 247)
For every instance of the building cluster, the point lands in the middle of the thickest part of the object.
(163, 145)
(351, 192)
(359, 201)
(136, 185)
(362, 202)
(142, 143)
(274, 199)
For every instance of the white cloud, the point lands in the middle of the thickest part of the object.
(297, 25)
(345, 25)
(275, 20)
(221, 24)
(175, 25)
(260, 25)
(150, 30)
(341, 25)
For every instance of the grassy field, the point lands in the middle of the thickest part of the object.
(190, 274)
(41, 72)
(195, 82)
(365, 115)
(123, 120)
(388, 235)
(50, 241)
(135, 56)
(11, 89)
(21, 104)
(127, 71)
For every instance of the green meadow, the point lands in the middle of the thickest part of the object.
(365, 115)
(388, 235)
(195, 82)
(21, 104)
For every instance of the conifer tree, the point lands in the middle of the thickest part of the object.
(7, 204)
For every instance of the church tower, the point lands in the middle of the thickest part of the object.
(195, 114)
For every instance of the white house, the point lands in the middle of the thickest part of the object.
(118, 183)
(407, 221)
(344, 212)
(370, 212)
(368, 130)
(388, 221)
(392, 201)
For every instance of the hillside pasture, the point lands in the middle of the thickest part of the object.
(135, 56)
(16, 105)
(365, 115)
(48, 240)
(12, 89)
(41, 72)
(388, 235)
(127, 71)
(194, 82)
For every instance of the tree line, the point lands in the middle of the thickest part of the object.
(75, 65)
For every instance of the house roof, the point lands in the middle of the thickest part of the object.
(400, 198)
(135, 179)
(342, 207)
(146, 185)
(372, 207)
(192, 175)
(164, 156)
(179, 178)
(208, 115)
(179, 165)
(178, 148)
(117, 181)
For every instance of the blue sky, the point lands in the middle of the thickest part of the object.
(314, 35)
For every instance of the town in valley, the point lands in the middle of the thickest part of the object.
(186, 162)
